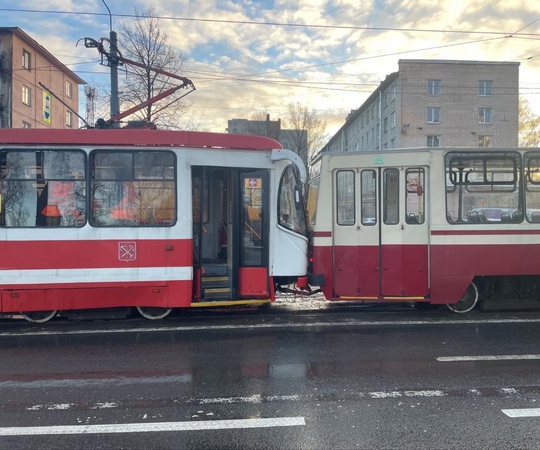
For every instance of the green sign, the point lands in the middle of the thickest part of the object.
(379, 161)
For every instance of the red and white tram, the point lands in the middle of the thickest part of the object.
(444, 226)
(146, 219)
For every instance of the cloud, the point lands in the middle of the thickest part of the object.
(330, 57)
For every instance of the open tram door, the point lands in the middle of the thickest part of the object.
(230, 235)
(381, 244)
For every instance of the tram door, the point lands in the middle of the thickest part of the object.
(384, 241)
(404, 232)
(230, 234)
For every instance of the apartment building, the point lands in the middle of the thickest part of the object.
(435, 103)
(267, 127)
(26, 69)
(296, 140)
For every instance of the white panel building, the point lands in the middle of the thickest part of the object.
(434, 103)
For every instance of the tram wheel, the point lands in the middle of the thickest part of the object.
(153, 313)
(467, 301)
(38, 316)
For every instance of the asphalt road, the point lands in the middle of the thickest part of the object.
(369, 378)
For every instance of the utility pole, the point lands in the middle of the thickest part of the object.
(113, 58)
(113, 64)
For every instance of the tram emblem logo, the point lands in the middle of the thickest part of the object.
(127, 251)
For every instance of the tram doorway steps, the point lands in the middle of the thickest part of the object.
(509, 304)
(216, 282)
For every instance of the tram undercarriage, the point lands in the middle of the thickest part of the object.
(508, 292)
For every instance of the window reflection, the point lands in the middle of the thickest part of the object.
(133, 189)
(290, 207)
(42, 189)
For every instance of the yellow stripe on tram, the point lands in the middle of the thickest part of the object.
(229, 303)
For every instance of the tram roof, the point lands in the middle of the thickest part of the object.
(136, 137)
(397, 151)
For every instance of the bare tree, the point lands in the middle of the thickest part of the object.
(145, 42)
(304, 132)
(529, 125)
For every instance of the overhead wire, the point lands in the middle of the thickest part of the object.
(275, 24)
(246, 78)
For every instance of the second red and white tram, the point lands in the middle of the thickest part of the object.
(146, 219)
(444, 226)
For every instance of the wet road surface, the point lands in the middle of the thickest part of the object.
(304, 379)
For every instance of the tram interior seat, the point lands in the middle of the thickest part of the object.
(517, 216)
(535, 217)
(411, 218)
(476, 217)
(506, 217)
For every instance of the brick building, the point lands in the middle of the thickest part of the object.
(24, 103)
(434, 103)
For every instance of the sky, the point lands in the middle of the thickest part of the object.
(249, 56)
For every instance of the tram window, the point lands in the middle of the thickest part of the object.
(368, 181)
(391, 196)
(252, 219)
(313, 196)
(532, 186)
(290, 208)
(345, 197)
(199, 196)
(133, 188)
(45, 188)
(483, 187)
(415, 195)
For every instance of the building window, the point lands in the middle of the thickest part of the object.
(484, 141)
(484, 115)
(484, 87)
(434, 115)
(434, 141)
(26, 95)
(393, 92)
(434, 87)
(69, 119)
(69, 89)
(26, 125)
(385, 125)
(393, 120)
(26, 60)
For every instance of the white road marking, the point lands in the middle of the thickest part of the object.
(257, 398)
(155, 427)
(508, 390)
(348, 323)
(486, 358)
(525, 412)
